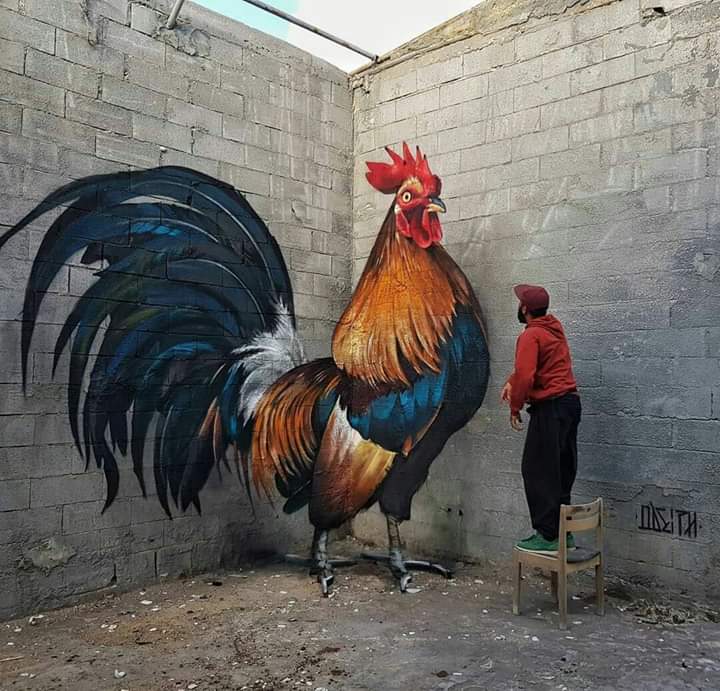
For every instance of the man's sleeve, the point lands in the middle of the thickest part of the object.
(526, 358)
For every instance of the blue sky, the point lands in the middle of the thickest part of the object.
(378, 26)
(252, 16)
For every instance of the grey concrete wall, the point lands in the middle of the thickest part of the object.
(98, 86)
(579, 147)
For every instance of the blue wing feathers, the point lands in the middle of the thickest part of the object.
(392, 419)
(189, 273)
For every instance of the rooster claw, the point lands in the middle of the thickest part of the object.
(405, 580)
(326, 579)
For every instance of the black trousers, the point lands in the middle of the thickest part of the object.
(549, 463)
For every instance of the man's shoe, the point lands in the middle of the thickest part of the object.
(537, 543)
(570, 542)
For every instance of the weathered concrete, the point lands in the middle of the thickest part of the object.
(578, 147)
(266, 627)
(101, 86)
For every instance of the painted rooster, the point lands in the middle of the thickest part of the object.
(186, 338)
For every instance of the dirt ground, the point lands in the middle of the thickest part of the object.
(267, 627)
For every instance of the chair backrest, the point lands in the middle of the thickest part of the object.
(577, 518)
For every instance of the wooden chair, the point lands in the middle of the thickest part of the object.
(575, 518)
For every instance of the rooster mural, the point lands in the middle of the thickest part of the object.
(186, 340)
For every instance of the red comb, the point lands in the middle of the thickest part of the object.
(388, 177)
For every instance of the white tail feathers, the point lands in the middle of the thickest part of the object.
(266, 358)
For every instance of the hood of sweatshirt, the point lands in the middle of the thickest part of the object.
(548, 323)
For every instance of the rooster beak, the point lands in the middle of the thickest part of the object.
(437, 205)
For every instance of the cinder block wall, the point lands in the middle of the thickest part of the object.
(95, 87)
(579, 147)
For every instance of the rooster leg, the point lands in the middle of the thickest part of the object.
(396, 561)
(322, 565)
(399, 566)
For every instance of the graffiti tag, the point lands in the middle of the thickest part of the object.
(670, 521)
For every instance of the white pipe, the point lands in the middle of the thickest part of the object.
(172, 19)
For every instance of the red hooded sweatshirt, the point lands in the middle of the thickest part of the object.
(543, 368)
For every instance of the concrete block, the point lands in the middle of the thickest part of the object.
(488, 57)
(131, 42)
(12, 56)
(417, 103)
(485, 204)
(192, 67)
(696, 194)
(14, 495)
(134, 98)
(485, 155)
(674, 402)
(392, 87)
(213, 98)
(572, 58)
(570, 162)
(686, 165)
(695, 135)
(648, 144)
(87, 516)
(516, 124)
(32, 94)
(34, 33)
(154, 78)
(602, 20)
(31, 152)
(663, 57)
(538, 143)
(545, 91)
(96, 113)
(145, 20)
(439, 73)
(163, 133)
(493, 106)
(603, 127)
(652, 88)
(697, 435)
(571, 110)
(463, 90)
(452, 141)
(10, 117)
(64, 14)
(67, 489)
(671, 111)
(517, 74)
(28, 526)
(127, 151)
(552, 37)
(189, 115)
(636, 37)
(174, 561)
(49, 127)
(301, 260)
(245, 179)
(603, 74)
(128, 539)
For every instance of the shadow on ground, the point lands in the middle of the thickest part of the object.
(266, 627)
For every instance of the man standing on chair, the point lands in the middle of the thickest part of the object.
(543, 379)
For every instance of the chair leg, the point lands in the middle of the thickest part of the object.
(517, 576)
(562, 599)
(554, 585)
(600, 589)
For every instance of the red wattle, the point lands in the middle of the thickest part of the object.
(431, 226)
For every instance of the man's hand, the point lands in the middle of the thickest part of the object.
(506, 392)
(516, 422)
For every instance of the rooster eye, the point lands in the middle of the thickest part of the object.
(406, 197)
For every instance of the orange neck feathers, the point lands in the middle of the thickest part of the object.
(401, 311)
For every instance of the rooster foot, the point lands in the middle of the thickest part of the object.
(401, 568)
(326, 578)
